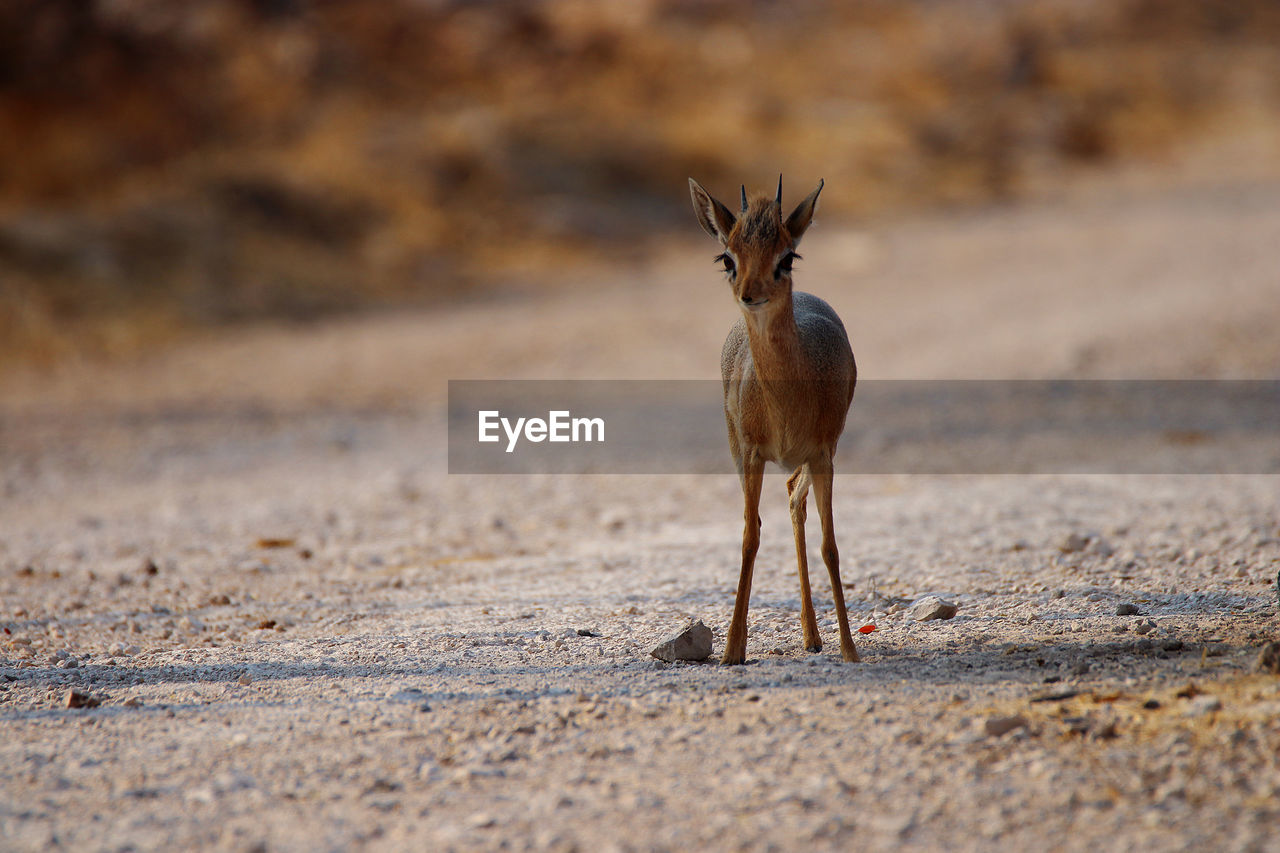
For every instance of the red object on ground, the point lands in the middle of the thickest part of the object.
(866, 629)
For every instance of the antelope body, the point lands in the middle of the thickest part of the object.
(788, 374)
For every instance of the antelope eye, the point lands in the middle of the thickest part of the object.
(728, 263)
(784, 265)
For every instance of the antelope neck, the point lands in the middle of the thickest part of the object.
(775, 342)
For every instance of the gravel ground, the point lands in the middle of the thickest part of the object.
(301, 633)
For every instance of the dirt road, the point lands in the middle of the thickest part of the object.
(304, 634)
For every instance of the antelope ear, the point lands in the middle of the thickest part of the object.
(802, 217)
(716, 219)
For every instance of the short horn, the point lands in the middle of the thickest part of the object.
(779, 199)
(744, 198)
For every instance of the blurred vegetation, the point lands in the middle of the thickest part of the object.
(166, 165)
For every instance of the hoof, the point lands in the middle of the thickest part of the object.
(813, 648)
(731, 659)
(850, 655)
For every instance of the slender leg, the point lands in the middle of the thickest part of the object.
(798, 491)
(822, 476)
(735, 647)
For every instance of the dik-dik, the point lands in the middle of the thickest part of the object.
(788, 375)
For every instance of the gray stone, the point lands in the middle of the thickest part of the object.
(1127, 609)
(1073, 543)
(1101, 547)
(693, 643)
(932, 607)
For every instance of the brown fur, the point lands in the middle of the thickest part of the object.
(788, 374)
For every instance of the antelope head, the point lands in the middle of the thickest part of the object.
(759, 244)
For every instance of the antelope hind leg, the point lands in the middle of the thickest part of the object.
(798, 492)
(822, 478)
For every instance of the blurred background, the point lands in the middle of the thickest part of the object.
(172, 167)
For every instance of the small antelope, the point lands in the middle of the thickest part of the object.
(788, 375)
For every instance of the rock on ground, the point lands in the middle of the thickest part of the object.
(691, 644)
(932, 607)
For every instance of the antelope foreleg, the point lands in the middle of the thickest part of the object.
(735, 647)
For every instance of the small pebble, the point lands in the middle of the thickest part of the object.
(1269, 658)
(80, 699)
(1198, 706)
(1127, 609)
(1073, 543)
(1107, 731)
(998, 726)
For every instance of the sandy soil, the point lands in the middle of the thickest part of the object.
(304, 634)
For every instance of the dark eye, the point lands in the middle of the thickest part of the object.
(729, 268)
(784, 265)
